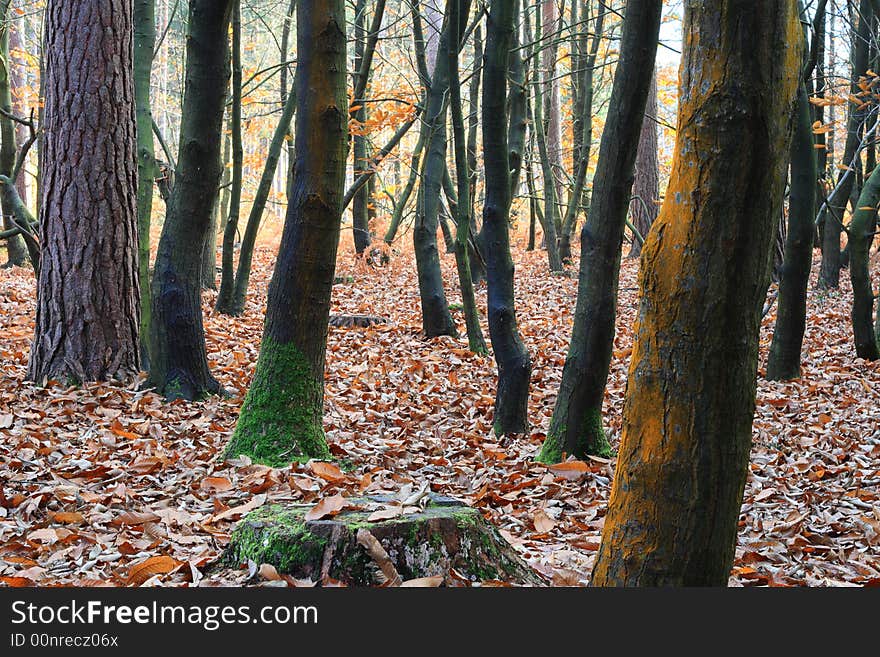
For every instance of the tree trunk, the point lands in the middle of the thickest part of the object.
(861, 236)
(784, 361)
(227, 258)
(144, 42)
(87, 299)
(281, 419)
(829, 274)
(15, 248)
(576, 426)
(583, 137)
(550, 208)
(646, 188)
(678, 486)
(511, 355)
(436, 319)
(463, 177)
(179, 367)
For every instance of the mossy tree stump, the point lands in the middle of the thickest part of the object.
(445, 535)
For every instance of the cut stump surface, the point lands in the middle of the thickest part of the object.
(433, 541)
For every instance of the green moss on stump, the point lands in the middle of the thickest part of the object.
(280, 420)
(445, 535)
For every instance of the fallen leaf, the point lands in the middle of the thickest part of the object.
(543, 522)
(144, 570)
(329, 506)
(423, 582)
(327, 471)
(385, 514)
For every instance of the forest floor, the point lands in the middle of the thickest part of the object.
(105, 485)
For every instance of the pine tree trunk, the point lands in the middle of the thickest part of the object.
(681, 471)
(511, 355)
(87, 299)
(576, 426)
(179, 362)
(784, 361)
(15, 248)
(281, 419)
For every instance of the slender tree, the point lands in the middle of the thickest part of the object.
(144, 43)
(576, 426)
(680, 475)
(511, 355)
(833, 210)
(281, 419)
(784, 361)
(227, 258)
(476, 342)
(646, 188)
(15, 247)
(87, 298)
(178, 357)
(861, 236)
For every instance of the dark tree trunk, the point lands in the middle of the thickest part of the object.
(281, 420)
(511, 355)
(861, 236)
(436, 319)
(87, 299)
(690, 400)
(15, 247)
(829, 274)
(646, 188)
(463, 177)
(576, 426)
(179, 362)
(784, 361)
(230, 221)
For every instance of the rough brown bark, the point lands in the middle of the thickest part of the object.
(690, 400)
(88, 300)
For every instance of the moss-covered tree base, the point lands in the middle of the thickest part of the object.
(445, 535)
(591, 441)
(280, 421)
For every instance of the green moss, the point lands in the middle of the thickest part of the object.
(280, 420)
(456, 306)
(276, 536)
(591, 440)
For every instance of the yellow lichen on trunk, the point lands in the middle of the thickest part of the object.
(690, 397)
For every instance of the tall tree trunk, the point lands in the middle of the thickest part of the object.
(463, 177)
(552, 107)
(687, 427)
(646, 188)
(281, 420)
(179, 362)
(227, 258)
(436, 319)
(784, 361)
(20, 74)
(829, 274)
(576, 426)
(87, 298)
(15, 248)
(511, 355)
